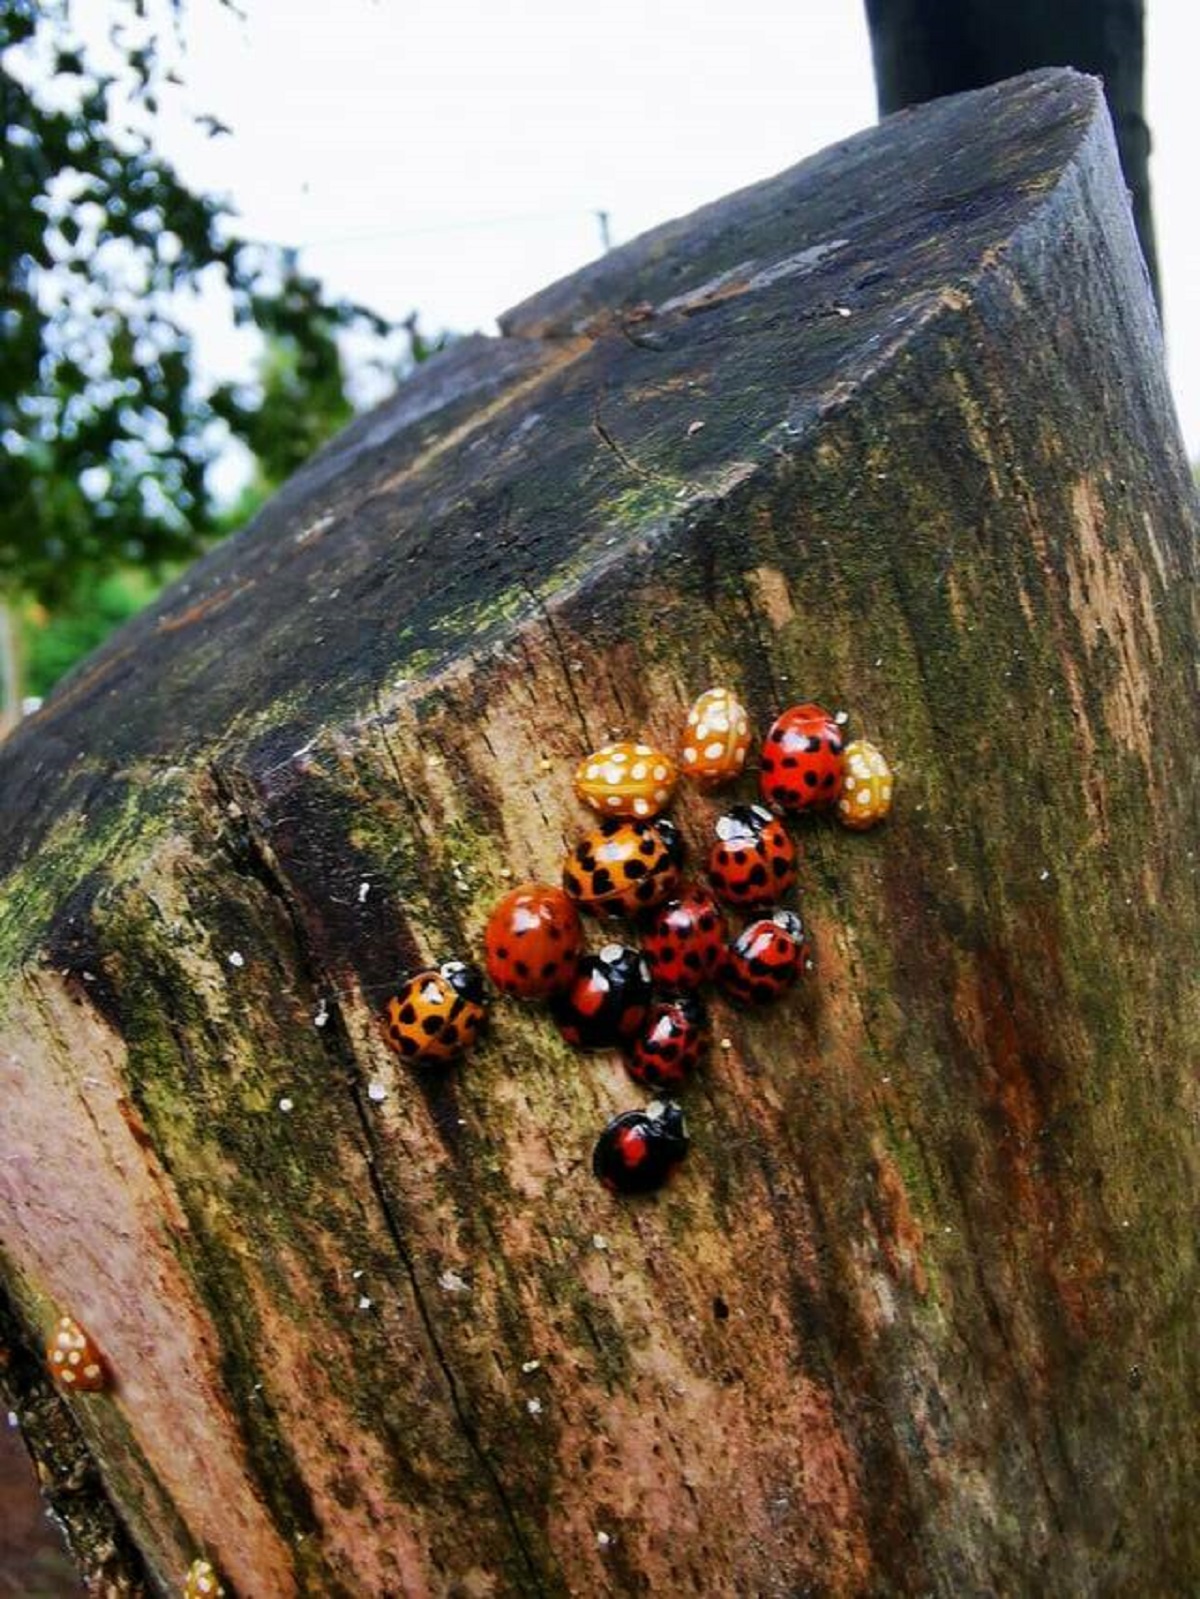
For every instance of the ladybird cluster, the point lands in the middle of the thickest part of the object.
(644, 998)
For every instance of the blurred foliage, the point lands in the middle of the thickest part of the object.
(107, 430)
(55, 640)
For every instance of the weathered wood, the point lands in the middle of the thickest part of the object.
(918, 1315)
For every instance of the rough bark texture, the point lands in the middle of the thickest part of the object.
(918, 1317)
(927, 48)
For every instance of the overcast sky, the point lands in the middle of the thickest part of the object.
(450, 155)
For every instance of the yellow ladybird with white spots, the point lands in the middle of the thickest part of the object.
(73, 1359)
(202, 1582)
(866, 787)
(717, 739)
(626, 780)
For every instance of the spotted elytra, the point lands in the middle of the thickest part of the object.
(73, 1359)
(716, 740)
(626, 780)
(866, 787)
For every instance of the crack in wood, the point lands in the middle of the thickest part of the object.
(336, 1041)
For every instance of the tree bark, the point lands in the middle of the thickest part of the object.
(926, 48)
(917, 1316)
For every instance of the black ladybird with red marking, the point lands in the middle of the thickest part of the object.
(624, 867)
(671, 1045)
(437, 1014)
(685, 940)
(753, 859)
(608, 1000)
(638, 1151)
(766, 958)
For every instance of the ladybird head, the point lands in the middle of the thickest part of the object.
(743, 824)
(691, 1009)
(668, 1121)
(790, 923)
(465, 980)
(672, 841)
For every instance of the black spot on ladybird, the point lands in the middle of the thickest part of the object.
(810, 779)
(780, 867)
(408, 1046)
(636, 869)
(758, 875)
(433, 1025)
(408, 1015)
(602, 882)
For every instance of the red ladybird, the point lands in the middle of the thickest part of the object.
(802, 759)
(753, 860)
(639, 1150)
(608, 1000)
(672, 1044)
(532, 941)
(684, 941)
(766, 958)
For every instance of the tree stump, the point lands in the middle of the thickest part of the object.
(889, 431)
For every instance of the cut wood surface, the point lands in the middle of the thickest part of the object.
(890, 431)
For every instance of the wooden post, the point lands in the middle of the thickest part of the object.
(890, 431)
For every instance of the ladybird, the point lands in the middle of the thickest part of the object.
(802, 761)
(866, 788)
(639, 1149)
(626, 780)
(624, 867)
(202, 1582)
(672, 1043)
(766, 958)
(684, 940)
(73, 1359)
(717, 738)
(532, 941)
(752, 860)
(608, 1000)
(438, 1013)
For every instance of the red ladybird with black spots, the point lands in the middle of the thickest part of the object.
(671, 1045)
(766, 958)
(753, 859)
(802, 759)
(532, 941)
(638, 1150)
(684, 940)
(607, 1001)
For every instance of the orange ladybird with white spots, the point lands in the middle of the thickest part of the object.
(717, 739)
(626, 780)
(202, 1582)
(866, 787)
(74, 1361)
